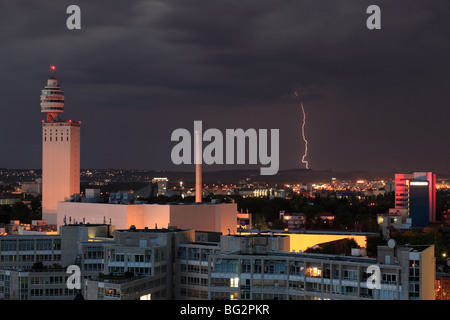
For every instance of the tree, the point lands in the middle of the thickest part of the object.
(278, 224)
(38, 266)
(21, 212)
(259, 223)
(36, 205)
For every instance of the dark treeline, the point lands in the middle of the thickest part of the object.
(27, 210)
(348, 210)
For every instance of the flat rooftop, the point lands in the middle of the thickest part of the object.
(331, 232)
(162, 230)
(312, 256)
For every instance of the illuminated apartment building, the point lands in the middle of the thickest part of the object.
(261, 268)
(294, 220)
(114, 264)
(173, 264)
(442, 286)
(192, 270)
(138, 265)
(45, 284)
(162, 185)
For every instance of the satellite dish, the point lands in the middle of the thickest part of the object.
(391, 243)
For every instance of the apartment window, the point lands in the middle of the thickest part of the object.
(349, 291)
(297, 285)
(57, 244)
(148, 256)
(234, 282)
(314, 287)
(101, 293)
(118, 270)
(275, 267)
(297, 268)
(194, 254)
(194, 269)
(220, 282)
(7, 258)
(26, 245)
(94, 253)
(350, 275)
(389, 278)
(367, 293)
(313, 272)
(336, 273)
(193, 280)
(327, 272)
(8, 245)
(37, 292)
(246, 266)
(414, 271)
(227, 265)
(205, 253)
(44, 244)
(118, 257)
(135, 258)
(181, 253)
(112, 293)
(257, 266)
(26, 257)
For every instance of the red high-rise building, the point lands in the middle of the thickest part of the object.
(404, 183)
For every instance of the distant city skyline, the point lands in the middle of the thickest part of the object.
(376, 100)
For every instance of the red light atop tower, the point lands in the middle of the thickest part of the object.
(52, 67)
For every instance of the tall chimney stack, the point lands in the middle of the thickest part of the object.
(198, 165)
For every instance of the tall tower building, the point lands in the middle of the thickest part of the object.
(416, 194)
(60, 151)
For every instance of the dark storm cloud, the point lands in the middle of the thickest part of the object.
(233, 64)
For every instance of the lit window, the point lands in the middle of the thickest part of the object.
(234, 282)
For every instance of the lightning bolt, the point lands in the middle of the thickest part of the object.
(303, 131)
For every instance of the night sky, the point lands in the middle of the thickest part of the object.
(137, 70)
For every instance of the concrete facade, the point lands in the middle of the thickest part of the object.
(221, 217)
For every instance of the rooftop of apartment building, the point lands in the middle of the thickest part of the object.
(147, 230)
(322, 256)
(202, 243)
(302, 231)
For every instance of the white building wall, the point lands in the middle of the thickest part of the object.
(60, 165)
(203, 217)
